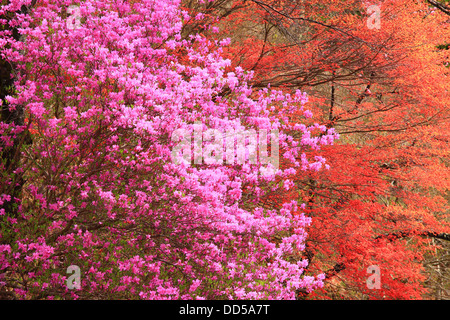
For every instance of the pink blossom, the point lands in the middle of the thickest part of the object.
(103, 192)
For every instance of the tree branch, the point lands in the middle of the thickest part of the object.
(404, 234)
(445, 9)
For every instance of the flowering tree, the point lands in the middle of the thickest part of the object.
(102, 99)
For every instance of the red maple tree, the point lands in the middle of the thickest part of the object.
(384, 89)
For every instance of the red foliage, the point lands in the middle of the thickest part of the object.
(386, 92)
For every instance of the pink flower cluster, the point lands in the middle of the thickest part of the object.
(101, 190)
